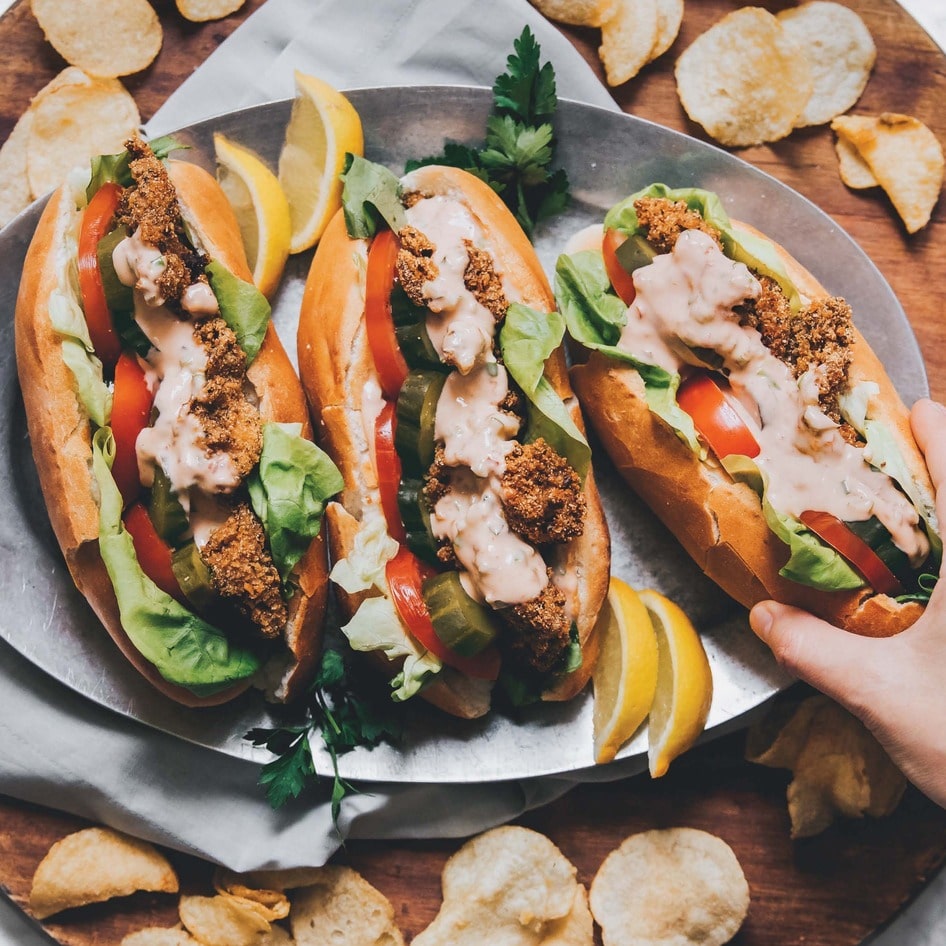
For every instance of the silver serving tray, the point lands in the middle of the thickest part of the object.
(607, 155)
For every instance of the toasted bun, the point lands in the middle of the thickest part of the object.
(60, 432)
(336, 367)
(720, 522)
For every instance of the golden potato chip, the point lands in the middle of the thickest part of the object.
(105, 38)
(15, 192)
(342, 908)
(627, 38)
(904, 156)
(158, 936)
(575, 929)
(745, 80)
(576, 12)
(669, 18)
(97, 864)
(676, 885)
(840, 52)
(222, 921)
(283, 879)
(854, 170)
(199, 11)
(273, 904)
(74, 122)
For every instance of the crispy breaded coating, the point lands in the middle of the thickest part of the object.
(230, 423)
(538, 630)
(151, 207)
(664, 220)
(542, 495)
(243, 571)
(414, 264)
(481, 279)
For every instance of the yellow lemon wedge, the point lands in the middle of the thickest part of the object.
(261, 209)
(323, 127)
(684, 684)
(625, 676)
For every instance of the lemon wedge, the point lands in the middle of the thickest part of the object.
(684, 684)
(261, 209)
(625, 675)
(323, 127)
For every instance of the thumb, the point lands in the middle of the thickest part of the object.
(836, 662)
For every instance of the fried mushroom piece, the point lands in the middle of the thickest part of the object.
(542, 495)
(539, 630)
(151, 207)
(664, 220)
(481, 278)
(414, 264)
(243, 571)
(230, 423)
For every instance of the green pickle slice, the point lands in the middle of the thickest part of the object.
(463, 624)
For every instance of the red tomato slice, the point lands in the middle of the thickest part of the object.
(836, 534)
(717, 421)
(621, 279)
(405, 574)
(154, 554)
(95, 224)
(131, 411)
(388, 360)
(389, 471)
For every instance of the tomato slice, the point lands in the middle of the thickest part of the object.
(861, 556)
(388, 360)
(406, 573)
(621, 279)
(389, 471)
(153, 553)
(717, 421)
(131, 411)
(95, 224)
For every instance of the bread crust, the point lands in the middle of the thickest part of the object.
(61, 434)
(718, 521)
(337, 368)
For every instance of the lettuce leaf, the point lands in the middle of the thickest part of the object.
(371, 194)
(365, 565)
(527, 339)
(594, 317)
(115, 167)
(185, 649)
(288, 491)
(242, 306)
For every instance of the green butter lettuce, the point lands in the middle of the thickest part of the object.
(371, 194)
(527, 339)
(376, 626)
(185, 649)
(595, 316)
(107, 168)
(288, 491)
(242, 306)
(757, 253)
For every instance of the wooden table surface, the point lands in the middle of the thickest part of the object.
(829, 891)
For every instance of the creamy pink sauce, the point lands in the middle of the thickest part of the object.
(688, 296)
(140, 265)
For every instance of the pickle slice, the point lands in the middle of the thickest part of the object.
(416, 410)
(118, 296)
(416, 518)
(463, 624)
(165, 509)
(193, 576)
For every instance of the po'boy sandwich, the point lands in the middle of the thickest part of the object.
(170, 431)
(469, 541)
(739, 399)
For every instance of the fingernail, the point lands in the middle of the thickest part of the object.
(760, 619)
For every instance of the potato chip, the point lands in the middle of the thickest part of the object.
(745, 80)
(627, 38)
(840, 52)
(15, 192)
(669, 18)
(222, 921)
(575, 929)
(576, 12)
(74, 122)
(199, 11)
(159, 936)
(904, 156)
(854, 170)
(676, 885)
(272, 904)
(343, 909)
(105, 38)
(97, 864)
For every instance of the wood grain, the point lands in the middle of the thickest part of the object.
(830, 891)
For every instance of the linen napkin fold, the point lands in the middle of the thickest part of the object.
(60, 749)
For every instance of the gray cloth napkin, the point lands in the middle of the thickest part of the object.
(58, 748)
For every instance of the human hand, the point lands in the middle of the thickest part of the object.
(895, 685)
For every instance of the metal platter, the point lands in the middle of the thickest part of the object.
(607, 155)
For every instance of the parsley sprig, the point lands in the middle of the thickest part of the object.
(344, 718)
(517, 154)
